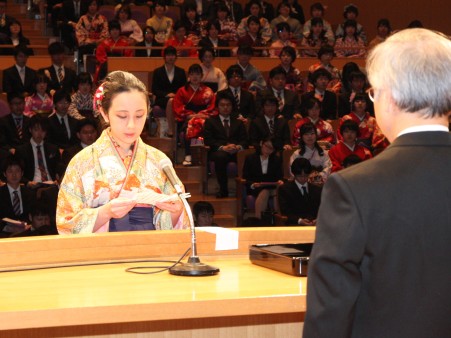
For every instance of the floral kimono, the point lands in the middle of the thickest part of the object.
(324, 130)
(35, 104)
(97, 175)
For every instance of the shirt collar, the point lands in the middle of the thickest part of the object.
(422, 128)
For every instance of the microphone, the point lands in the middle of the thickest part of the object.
(193, 267)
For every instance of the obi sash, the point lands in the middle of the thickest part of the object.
(137, 219)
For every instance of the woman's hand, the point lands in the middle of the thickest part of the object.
(119, 207)
(172, 206)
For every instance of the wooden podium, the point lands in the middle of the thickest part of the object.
(103, 300)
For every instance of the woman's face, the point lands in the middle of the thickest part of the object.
(382, 31)
(313, 112)
(267, 148)
(360, 107)
(350, 30)
(14, 29)
(254, 27)
(349, 136)
(84, 88)
(326, 58)
(180, 33)
(317, 29)
(41, 87)
(222, 15)
(92, 9)
(309, 138)
(191, 15)
(213, 32)
(123, 16)
(127, 117)
(195, 78)
(255, 10)
(284, 11)
(207, 59)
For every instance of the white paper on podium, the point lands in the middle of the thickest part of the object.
(226, 239)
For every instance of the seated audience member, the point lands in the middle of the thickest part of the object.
(296, 11)
(350, 45)
(357, 86)
(41, 158)
(41, 224)
(81, 101)
(66, 19)
(320, 79)
(40, 102)
(351, 12)
(253, 37)
(60, 76)
(61, 129)
(383, 32)
(235, 9)
(203, 214)
(87, 134)
(351, 160)
(107, 48)
(244, 100)
(266, 125)
(263, 173)
(193, 24)
(212, 40)
(19, 78)
(370, 136)
(283, 39)
(5, 19)
(315, 39)
(299, 199)
(325, 56)
(284, 10)
(317, 11)
(14, 126)
(294, 80)
(256, 10)
(213, 77)
(266, 9)
(166, 81)
(324, 130)
(347, 146)
(347, 70)
(149, 42)
(253, 78)
(16, 200)
(129, 27)
(14, 37)
(288, 101)
(161, 23)
(225, 135)
(90, 30)
(185, 47)
(314, 153)
(228, 26)
(192, 104)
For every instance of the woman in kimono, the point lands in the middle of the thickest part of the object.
(116, 184)
(40, 102)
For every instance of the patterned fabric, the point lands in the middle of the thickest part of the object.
(321, 164)
(34, 104)
(131, 29)
(294, 80)
(96, 175)
(80, 104)
(228, 30)
(189, 102)
(327, 27)
(108, 48)
(41, 165)
(214, 75)
(265, 30)
(91, 29)
(324, 130)
(163, 27)
(314, 42)
(16, 203)
(191, 52)
(357, 47)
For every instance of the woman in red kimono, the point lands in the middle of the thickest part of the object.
(193, 103)
(179, 40)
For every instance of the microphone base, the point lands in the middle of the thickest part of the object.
(193, 268)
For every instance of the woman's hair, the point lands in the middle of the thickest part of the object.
(289, 51)
(348, 68)
(316, 6)
(350, 23)
(223, 8)
(350, 125)
(351, 8)
(205, 50)
(177, 25)
(253, 19)
(119, 82)
(283, 3)
(94, 2)
(213, 23)
(126, 9)
(325, 50)
(203, 206)
(385, 23)
(308, 128)
(195, 68)
(15, 22)
(84, 77)
(263, 141)
(40, 78)
(114, 24)
(311, 103)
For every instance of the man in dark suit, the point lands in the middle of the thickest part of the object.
(166, 80)
(244, 100)
(149, 41)
(14, 127)
(68, 16)
(268, 126)
(288, 100)
(225, 135)
(19, 78)
(60, 76)
(299, 200)
(213, 41)
(62, 128)
(380, 266)
(320, 79)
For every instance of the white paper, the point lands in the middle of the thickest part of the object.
(226, 239)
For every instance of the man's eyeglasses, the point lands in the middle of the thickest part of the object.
(370, 92)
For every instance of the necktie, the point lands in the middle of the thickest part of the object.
(304, 191)
(60, 74)
(237, 99)
(19, 128)
(279, 98)
(22, 75)
(41, 164)
(227, 127)
(16, 203)
(77, 9)
(271, 127)
(63, 124)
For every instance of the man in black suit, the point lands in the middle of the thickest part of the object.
(41, 158)
(68, 16)
(380, 266)
(268, 126)
(166, 80)
(14, 127)
(299, 200)
(19, 78)
(149, 41)
(288, 100)
(62, 127)
(60, 76)
(320, 79)
(213, 41)
(225, 135)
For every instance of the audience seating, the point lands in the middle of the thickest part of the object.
(244, 202)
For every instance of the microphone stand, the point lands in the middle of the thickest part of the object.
(193, 267)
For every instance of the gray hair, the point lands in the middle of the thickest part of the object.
(414, 65)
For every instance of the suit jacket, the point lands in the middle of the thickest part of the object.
(13, 83)
(9, 131)
(28, 199)
(252, 171)
(382, 238)
(56, 134)
(52, 159)
(153, 52)
(67, 12)
(291, 102)
(69, 81)
(215, 135)
(328, 105)
(161, 85)
(247, 103)
(10, 51)
(259, 130)
(294, 205)
(206, 42)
